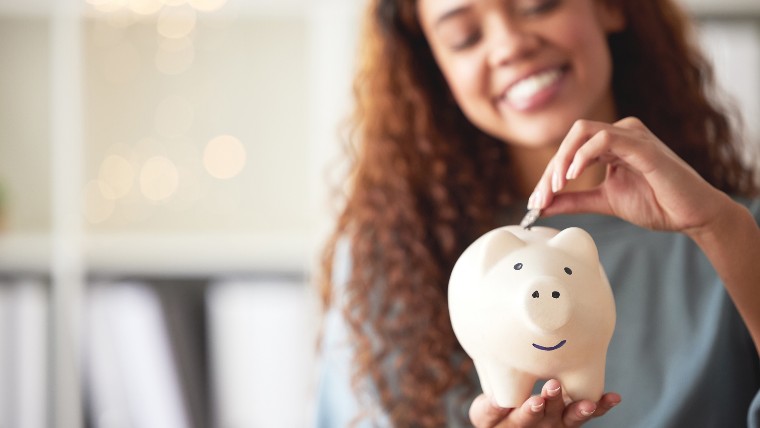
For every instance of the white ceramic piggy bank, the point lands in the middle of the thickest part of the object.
(533, 304)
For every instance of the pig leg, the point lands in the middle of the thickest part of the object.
(483, 376)
(586, 383)
(506, 386)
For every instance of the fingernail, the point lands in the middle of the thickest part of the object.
(556, 182)
(613, 404)
(534, 200)
(571, 172)
(587, 413)
(554, 392)
(537, 407)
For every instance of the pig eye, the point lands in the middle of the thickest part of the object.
(535, 294)
(518, 266)
(555, 294)
(568, 271)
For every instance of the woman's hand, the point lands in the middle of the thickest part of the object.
(646, 183)
(546, 410)
(649, 185)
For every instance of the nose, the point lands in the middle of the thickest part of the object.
(510, 40)
(547, 305)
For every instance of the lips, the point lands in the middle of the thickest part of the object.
(535, 89)
(550, 348)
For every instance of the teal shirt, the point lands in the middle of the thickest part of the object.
(680, 356)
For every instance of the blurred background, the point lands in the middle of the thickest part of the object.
(165, 186)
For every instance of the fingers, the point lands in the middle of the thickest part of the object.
(580, 133)
(555, 175)
(484, 414)
(530, 413)
(549, 406)
(552, 393)
(587, 143)
(574, 414)
(607, 402)
(579, 412)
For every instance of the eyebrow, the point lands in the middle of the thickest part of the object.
(451, 14)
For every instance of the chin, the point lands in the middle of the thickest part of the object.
(536, 137)
(547, 128)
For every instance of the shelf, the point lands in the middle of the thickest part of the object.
(199, 255)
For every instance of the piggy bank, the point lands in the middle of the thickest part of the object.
(533, 304)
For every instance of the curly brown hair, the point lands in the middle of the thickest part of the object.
(425, 183)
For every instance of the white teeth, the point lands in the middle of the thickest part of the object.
(529, 86)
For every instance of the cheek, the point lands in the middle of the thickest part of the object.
(467, 81)
(590, 45)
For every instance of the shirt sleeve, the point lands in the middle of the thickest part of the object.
(753, 416)
(336, 403)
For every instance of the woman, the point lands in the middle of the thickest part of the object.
(467, 110)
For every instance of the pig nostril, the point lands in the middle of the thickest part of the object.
(535, 294)
(555, 294)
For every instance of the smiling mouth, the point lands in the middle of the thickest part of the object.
(550, 348)
(529, 86)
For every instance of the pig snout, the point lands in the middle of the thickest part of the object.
(547, 304)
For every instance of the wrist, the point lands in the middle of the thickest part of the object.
(730, 218)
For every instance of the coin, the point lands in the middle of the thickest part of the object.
(530, 218)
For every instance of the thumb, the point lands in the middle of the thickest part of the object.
(483, 414)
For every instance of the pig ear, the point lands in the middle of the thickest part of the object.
(578, 242)
(497, 244)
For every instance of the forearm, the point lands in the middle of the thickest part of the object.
(732, 244)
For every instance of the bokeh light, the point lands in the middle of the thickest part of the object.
(118, 175)
(153, 7)
(176, 22)
(145, 7)
(224, 157)
(207, 5)
(159, 178)
(193, 188)
(194, 183)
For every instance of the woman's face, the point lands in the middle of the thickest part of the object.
(524, 70)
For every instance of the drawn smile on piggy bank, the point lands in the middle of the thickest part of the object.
(550, 348)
